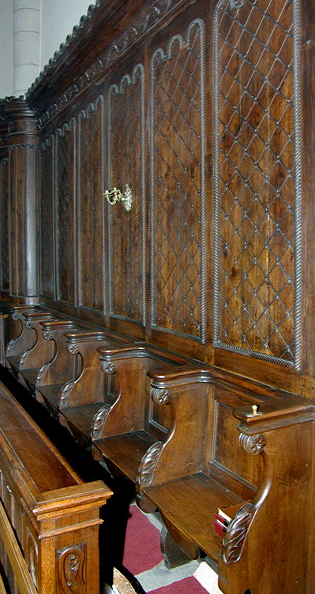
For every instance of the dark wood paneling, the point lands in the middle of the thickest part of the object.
(66, 212)
(90, 206)
(47, 217)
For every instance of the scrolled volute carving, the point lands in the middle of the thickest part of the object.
(149, 462)
(252, 444)
(99, 421)
(65, 393)
(160, 396)
(10, 346)
(108, 367)
(234, 538)
(41, 373)
(71, 569)
(24, 357)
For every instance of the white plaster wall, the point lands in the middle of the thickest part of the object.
(6, 48)
(58, 19)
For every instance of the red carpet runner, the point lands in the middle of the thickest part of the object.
(142, 553)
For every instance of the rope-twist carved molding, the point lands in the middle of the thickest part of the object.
(252, 444)
(148, 463)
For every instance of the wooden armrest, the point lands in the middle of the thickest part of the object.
(187, 391)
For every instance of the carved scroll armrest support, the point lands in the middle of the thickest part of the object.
(237, 530)
(185, 390)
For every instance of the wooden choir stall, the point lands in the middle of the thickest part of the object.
(157, 291)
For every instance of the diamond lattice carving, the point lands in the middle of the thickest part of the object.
(126, 167)
(90, 208)
(177, 173)
(255, 173)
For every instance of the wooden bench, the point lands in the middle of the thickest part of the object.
(117, 418)
(49, 518)
(200, 467)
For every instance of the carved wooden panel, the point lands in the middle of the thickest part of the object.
(90, 206)
(66, 212)
(4, 225)
(71, 569)
(177, 183)
(47, 217)
(126, 230)
(257, 186)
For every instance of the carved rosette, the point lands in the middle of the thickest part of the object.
(71, 569)
(160, 396)
(252, 444)
(41, 374)
(149, 462)
(48, 335)
(64, 393)
(99, 421)
(73, 349)
(29, 325)
(108, 367)
(16, 316)
(236, 533)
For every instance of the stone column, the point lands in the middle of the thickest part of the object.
(27, 19)
(23, 232)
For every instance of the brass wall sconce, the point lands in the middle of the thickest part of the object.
(116, 195)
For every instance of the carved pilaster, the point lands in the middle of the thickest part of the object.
(22, 142)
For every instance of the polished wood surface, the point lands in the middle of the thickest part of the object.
(54, 514)
(203, 290)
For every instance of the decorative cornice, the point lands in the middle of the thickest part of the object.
(143, 22)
